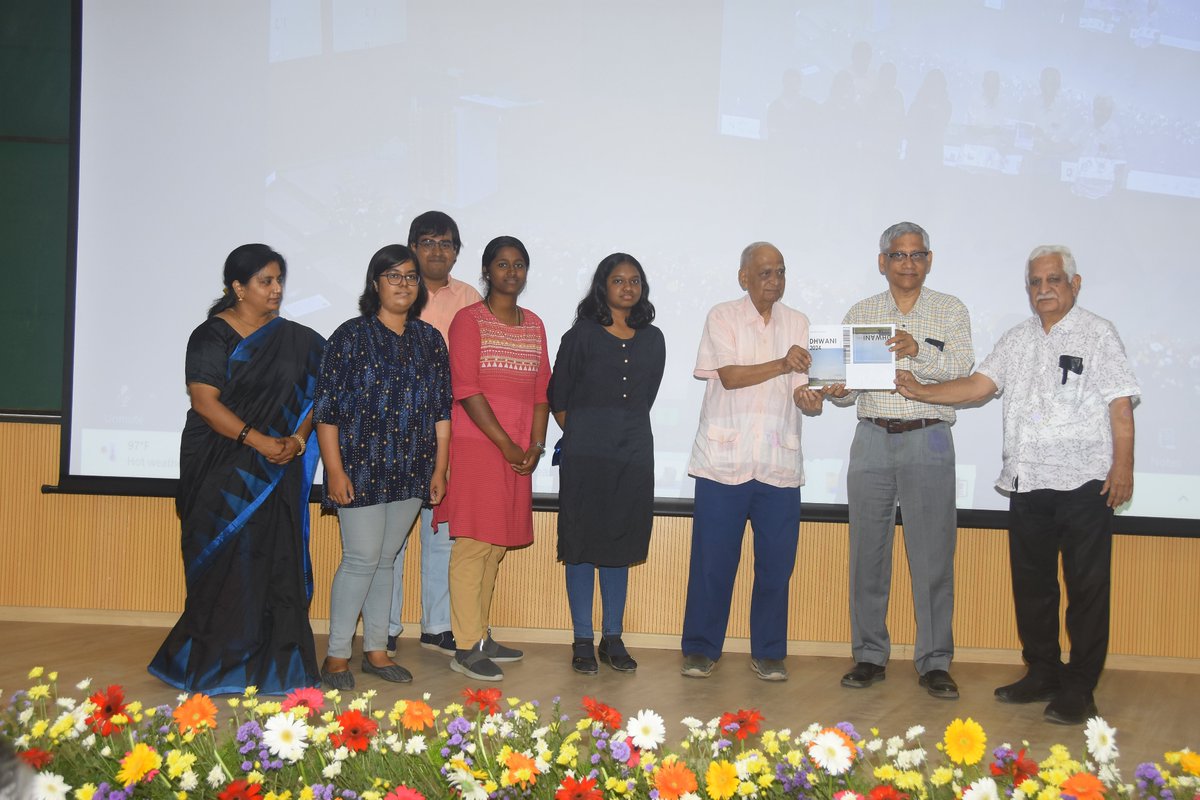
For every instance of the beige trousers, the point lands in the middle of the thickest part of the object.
(473, 568)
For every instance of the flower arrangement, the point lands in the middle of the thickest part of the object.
(321, 746)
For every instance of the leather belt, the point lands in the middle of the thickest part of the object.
(901, 425)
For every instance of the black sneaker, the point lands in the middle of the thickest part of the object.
(474, 663)
(443, 642)
(498, 652)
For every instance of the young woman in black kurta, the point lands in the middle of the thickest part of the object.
(604, 382)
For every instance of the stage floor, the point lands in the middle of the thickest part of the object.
(1152, 711)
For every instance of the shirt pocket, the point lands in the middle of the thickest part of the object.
(724, 437)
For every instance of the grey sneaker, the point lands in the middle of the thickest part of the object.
(474, 663)
(498, 652)
(769, 669)
(697, 665)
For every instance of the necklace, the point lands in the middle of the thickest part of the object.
(520, 316)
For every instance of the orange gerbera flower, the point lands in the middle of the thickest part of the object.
(521, 769)
(417, 715)
(1083, 786)
(195, 714)
(604, 714)
(673, 780)
(488, 700)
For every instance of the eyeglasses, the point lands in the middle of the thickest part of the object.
(917, 257)
(397, 278)
(434, 244)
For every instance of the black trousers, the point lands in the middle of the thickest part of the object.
(1078, 524)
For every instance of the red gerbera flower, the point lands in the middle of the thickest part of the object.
(109, 704)
(35, 758)
(403, 793)
(604, 714)
(240, 790)
(572, 789)
(886, 792)
(746, 721)
(356, 731)
(306, 700)
(1020, 768)
(488, 700)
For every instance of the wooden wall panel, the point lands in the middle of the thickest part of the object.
(121, 554)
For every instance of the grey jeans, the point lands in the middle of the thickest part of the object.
(371, 537)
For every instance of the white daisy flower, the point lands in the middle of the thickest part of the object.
(914, 732)
(829, 751)
(49, 786)
(1101, 740)
(286, 737)
(188, 780)
(982, 789)
(646, 730)
(332, 769)
(415, 745)
(216, 777)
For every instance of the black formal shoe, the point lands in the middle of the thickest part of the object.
(863, 675)
(1071, 706)
(613, 653)
(1032, 688)
(940, 684)
(583, 657)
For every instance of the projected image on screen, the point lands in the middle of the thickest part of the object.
(678, 132)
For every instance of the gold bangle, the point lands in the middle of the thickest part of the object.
(302, 443)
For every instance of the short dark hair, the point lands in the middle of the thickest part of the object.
(385, 258)
(594, 305)
(492, 250)
(241, 265)
(434, 223)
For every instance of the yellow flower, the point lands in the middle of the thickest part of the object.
(178, 763)
(39, 729)
(567, 755)
(746, 789)
(721, 780)
(910, 780)
(250, 691)
(1190, 762)
(965, 741)
(793, 758)
(885, 772)
(181, 795)
(1048, 793)
(615, 785)
(138, 763)
(254, 776)
(53, 676)
(35, 673)
(39, 691)
(306, 793)
(766, 780)
(234, 702)
(85, 792)
(512, 701)
(1028, 786)
(941, 776)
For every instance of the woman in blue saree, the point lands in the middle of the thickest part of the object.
(245, 471)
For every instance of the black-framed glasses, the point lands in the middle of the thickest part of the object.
(917, 256)
(433, 244)
(396, 278)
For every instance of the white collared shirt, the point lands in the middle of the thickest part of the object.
(752, 432)
(1057, 433)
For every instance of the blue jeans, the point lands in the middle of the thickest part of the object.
(435, 579)
(371, 537)
(581, 587)
(718, 524)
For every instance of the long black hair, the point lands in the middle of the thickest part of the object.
(385, 258)
(241, 265)
(594, 305)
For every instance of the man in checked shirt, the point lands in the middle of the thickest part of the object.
(903, 451)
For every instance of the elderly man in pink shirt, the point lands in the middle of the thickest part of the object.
(747, 464)
(433, 236)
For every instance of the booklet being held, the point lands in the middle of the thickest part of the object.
(855, 355)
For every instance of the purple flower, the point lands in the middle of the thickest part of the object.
(458, 725)
(848, 729)
(620, 751)
(595, 758)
